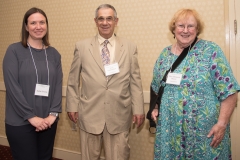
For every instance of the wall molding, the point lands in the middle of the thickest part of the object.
(57, 152)
(2, 86)
(146, 94)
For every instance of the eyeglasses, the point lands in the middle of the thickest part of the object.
(102, 19)
(189, 27)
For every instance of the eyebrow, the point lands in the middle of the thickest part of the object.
(105, 17)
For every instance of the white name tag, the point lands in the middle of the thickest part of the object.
(174, 78)
(42, 90)
(111, 69)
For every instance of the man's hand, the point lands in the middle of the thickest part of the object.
(73, 116)
(217, 132)
(138, 119)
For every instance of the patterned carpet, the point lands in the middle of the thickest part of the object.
(5, 153)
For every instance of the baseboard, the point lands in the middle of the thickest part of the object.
(4, 141)
(66, 154)
(57, 152)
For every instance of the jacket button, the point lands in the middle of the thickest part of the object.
(106, 88)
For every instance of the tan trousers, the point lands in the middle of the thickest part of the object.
(116, 146)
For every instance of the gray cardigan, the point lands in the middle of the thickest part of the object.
(20, 81)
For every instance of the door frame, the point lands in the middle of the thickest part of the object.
(233, 52)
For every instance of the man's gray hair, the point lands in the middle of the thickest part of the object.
(106, 6)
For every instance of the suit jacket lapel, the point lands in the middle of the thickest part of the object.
(119, 49)
(94, 50)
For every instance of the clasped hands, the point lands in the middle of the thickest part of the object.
(42, 123)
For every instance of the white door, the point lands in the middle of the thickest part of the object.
(234, 39)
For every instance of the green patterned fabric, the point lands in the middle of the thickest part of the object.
(189, 111)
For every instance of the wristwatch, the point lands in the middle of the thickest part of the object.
(55, 114)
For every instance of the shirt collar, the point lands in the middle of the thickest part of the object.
(110, 40)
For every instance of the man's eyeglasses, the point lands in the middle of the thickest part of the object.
(189, 27)
(108, 19)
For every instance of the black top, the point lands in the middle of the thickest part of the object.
(20, 81)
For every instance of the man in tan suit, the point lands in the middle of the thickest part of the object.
(110, 97)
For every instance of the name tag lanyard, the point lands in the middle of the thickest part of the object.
(41, 89)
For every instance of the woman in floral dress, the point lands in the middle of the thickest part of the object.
(193, 118)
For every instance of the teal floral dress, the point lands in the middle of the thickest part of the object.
(188, 111)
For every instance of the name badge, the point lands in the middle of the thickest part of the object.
(42, 90)
(174, 78)
(111, 69)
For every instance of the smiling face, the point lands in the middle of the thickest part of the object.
(186, 31)
(36, 26)
(106, 22)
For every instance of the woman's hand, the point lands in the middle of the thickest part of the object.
(154, 113)
(226, 110)
(39, 123)
(50, 120)
(217, 131)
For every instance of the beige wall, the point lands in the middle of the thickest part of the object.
(143, 21)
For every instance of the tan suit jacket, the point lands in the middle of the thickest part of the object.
(99, 102)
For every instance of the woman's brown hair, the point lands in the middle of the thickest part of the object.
(25, 33)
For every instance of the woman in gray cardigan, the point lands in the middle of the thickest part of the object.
(33, 80)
